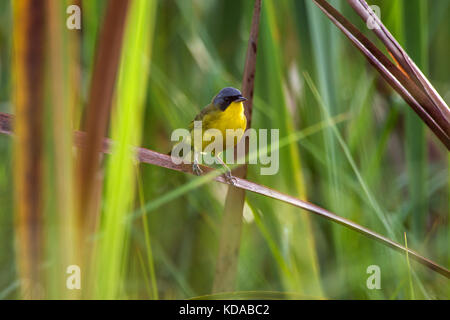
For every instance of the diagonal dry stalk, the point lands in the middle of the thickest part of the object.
(417, 93)
(165, 161)
(230, 236)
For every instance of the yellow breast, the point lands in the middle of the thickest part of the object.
(232, 118)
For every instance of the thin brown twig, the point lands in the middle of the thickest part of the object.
(164, 161)
(230, 236)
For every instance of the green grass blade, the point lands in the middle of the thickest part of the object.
(126, 130)
(416, 44)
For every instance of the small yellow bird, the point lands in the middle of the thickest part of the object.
(226, 111)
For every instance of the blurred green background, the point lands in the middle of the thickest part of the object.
(190, 51)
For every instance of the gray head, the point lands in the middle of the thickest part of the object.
(226, 96)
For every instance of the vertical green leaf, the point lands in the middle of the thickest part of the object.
(126, 130)
(416, 44)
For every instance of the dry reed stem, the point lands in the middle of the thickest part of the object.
(28, 96)
(98, 109)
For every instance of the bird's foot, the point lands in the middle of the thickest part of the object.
(229, 178)
(196, 169)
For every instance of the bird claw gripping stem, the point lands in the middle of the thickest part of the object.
(196, 169)
(229, 178)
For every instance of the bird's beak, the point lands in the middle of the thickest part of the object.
(241, 98)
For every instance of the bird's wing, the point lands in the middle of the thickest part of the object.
(211, 110)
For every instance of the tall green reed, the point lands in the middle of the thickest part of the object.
(126, 131)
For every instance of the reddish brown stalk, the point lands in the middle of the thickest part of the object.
(419, 100)
(98, 109)
(164, 161)
(28, 86)
(229, 243)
